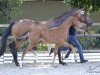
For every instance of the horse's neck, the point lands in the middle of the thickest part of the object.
(57, 21)
(65, 26)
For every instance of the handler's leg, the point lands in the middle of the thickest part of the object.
(76, 43)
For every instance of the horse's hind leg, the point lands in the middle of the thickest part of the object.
(75, 56)
(35, 55)
(72, 48)
(14, 52)
(30, 46)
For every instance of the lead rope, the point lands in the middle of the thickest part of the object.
(88, 35)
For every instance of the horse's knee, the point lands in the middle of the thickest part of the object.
(27, 49)
(72, 48)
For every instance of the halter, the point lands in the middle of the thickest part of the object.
(82, 14)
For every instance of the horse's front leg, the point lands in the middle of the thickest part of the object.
(75, 56)
(72, 48)
(35, 55)
(59, 58)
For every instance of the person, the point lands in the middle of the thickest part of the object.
(72, 39)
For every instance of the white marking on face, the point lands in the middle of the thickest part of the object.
(82, 12)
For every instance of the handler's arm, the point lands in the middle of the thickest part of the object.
(79, 29)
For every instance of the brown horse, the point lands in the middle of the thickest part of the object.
(20, 28)
(56, 35)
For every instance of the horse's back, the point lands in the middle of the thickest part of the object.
(21, 26)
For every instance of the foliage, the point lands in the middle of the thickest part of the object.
(97, 40)
(88, 5)
(91, 42)
(38, 47)
(41, 47)
(9, 9)
(1, 31)
(87, 44)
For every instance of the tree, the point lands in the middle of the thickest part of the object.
(88, 5)
(9, 9)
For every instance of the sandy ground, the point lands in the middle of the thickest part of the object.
(89, 68)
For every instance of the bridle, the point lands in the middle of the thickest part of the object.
(88, 33)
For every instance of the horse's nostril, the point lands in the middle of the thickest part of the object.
(81, 27)
(90, 24)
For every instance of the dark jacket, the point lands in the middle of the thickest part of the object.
(72, 31)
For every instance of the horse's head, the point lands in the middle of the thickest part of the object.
(75, 22)
(83, 17)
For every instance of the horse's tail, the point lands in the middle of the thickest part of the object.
(5, 35)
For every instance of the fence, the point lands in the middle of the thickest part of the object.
(43, 57)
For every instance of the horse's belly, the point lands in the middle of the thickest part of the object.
(53, 40)
(53, 37)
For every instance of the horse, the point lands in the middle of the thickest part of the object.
(56, 35)
(21, 27)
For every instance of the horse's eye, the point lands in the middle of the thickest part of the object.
(76, 20)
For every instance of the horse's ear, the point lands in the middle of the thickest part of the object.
(76, 14)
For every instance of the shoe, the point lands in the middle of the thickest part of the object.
(83, 61)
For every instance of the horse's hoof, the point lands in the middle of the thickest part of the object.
(76, 61)
(17, 64)
(21, 66)
(35, 61)
(63, 63)
(55, 66)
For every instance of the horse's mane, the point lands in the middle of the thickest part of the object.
(59, 19)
